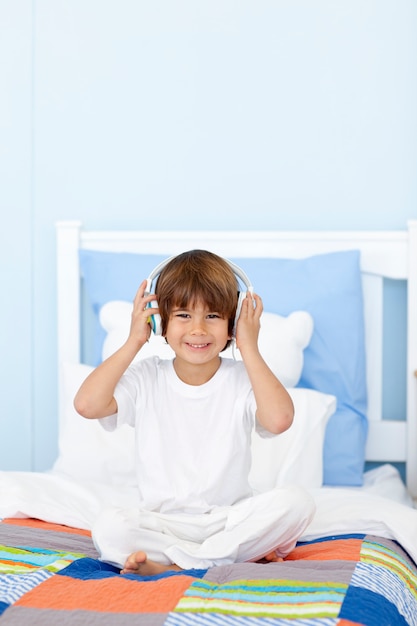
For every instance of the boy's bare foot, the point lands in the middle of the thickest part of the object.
(273, 557)
(138, 563)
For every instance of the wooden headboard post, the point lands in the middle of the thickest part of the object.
(68, 299)
(412, 359)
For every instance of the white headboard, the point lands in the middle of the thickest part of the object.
(384, 254)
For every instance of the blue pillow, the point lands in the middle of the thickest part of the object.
(329, 287)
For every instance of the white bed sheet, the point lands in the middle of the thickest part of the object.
(381, 507)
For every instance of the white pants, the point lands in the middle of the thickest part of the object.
(246, 531)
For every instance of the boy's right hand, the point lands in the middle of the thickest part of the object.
(140, 328)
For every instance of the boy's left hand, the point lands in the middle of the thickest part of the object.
(248, 324)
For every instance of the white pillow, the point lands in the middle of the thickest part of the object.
(85, 450)
(281, 339)
(281, 342)
(295, 456)
(89, 453)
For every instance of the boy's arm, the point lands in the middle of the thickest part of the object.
(275, 409)
(95, 397)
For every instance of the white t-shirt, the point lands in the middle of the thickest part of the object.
(192, 442)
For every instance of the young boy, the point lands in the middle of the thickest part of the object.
(193, 417)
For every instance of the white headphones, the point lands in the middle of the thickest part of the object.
(155, 319)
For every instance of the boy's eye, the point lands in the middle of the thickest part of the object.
(185, 315)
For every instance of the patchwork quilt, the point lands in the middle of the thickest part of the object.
(50, 574)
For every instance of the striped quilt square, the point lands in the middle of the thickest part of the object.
(265, 598)
(383, 588)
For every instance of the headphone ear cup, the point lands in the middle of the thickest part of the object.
(156, 324)
(241, 297)
(155, 320)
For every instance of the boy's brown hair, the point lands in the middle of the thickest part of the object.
(197, 275)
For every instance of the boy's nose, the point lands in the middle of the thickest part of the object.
(198, 327)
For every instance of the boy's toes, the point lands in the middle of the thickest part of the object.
(133, 562)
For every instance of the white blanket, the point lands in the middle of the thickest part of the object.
(59, 499)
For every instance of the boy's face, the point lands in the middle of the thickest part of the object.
(196, 334)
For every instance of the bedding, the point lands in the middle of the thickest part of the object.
(354, 565)
(50, 574)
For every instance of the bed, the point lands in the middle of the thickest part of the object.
(324, 334)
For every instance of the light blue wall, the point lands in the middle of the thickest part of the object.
(16, 244)
(187, 114)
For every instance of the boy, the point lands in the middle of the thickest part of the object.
(193, 418)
